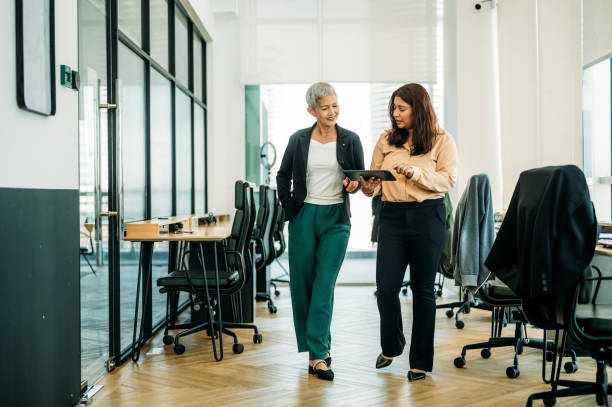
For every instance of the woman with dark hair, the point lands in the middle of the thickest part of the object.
(423, 158)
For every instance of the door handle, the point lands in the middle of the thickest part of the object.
(108, 213)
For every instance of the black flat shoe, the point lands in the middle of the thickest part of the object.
(382, 361)
(321, 374)
(414, 376)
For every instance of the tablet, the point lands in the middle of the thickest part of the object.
(384, 175)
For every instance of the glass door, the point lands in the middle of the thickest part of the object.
(93, 188)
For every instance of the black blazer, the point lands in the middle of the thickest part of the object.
(349, 154)
(549, 234)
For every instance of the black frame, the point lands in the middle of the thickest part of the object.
(118, 352)
(122, 352)
(21, 81)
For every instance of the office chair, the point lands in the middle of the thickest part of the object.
(88, 251)
(476, 227)
(206, 288)
(590, 325)
(264, 247)
(279, 246)
(542, 252)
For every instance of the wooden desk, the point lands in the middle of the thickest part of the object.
(147, 233)
(604, 251)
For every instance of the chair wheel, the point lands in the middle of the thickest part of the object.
(405, 291)
(276, 293)
(459, 324)
(550, 356)
(257, 338)
(439, 293)
(450, 313)
(549, 402)
(570, 367)
(513, 372)
(168, 339)
(459, 362)
(237, 348)
(485, 353)
(179, 349)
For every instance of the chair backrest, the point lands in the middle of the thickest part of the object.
(278, 234)
(473, 233)
(273, 204)
(546, 241)
(268, 197)
(261, 211)
(242, 222)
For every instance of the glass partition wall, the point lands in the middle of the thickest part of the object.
(142, 109)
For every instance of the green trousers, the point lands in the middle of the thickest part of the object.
(318, 237)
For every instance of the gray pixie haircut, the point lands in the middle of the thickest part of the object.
(317, 91)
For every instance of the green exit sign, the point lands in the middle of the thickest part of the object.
(66, 76)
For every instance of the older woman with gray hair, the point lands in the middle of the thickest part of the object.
(314, 193)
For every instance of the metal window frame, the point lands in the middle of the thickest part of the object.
(118, 353)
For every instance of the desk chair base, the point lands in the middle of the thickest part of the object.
(193, 327)
(266, 297)
(465, 307)
(601, 389)
(519, 341)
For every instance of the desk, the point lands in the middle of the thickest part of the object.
(147, 233)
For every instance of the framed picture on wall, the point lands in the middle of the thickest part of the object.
(35, 37)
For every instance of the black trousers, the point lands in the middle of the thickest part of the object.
(410, 233)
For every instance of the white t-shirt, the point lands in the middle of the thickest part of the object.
(323, 175)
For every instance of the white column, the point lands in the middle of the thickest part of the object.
(478, 134)
(540, 85)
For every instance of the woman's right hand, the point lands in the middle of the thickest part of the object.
(369, 186)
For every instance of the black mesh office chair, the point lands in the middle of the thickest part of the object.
(589, 324)
(264, 246)
(205, 288)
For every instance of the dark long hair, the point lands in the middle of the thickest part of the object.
(425, 124)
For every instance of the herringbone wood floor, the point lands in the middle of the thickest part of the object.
(274, 374)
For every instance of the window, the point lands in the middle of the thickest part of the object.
(597, 136)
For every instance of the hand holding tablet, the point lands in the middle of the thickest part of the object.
(383, 175)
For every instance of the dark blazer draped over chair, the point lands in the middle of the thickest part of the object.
(549, 233)
(349, 154)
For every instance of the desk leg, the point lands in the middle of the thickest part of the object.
(173, 296)
(144, 277)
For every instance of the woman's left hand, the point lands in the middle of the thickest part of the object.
(404, 169)
(350, 185)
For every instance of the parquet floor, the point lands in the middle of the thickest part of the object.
(274, 374)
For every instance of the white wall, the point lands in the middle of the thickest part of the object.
(226, 143)
(597, 30)
(478, 134)
(39, 151)
(540, 85)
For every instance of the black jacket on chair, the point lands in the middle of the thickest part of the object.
(349, 154)
(549, 233)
